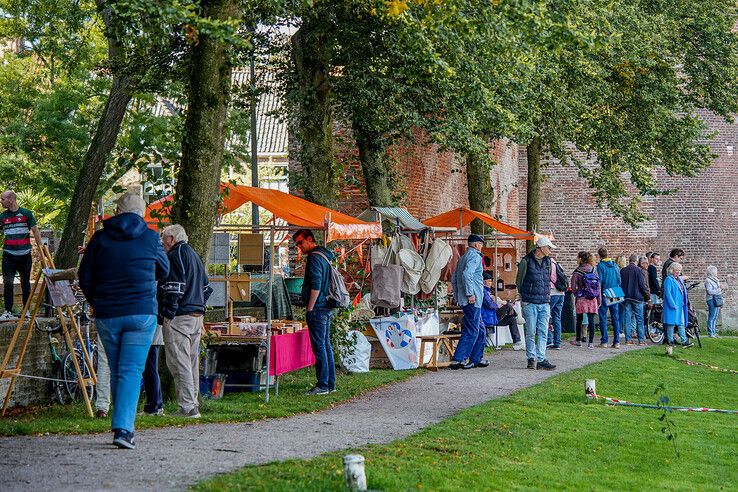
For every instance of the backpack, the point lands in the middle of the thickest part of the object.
(562, 282)
(337, 291)
(590, 285)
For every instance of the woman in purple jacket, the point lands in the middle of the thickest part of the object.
(585, 284)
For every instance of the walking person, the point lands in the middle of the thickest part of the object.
(609, 275)
(154, 405)
(634, 283)
(534, 287)
(318, 310)
(585, 284)
(676, 310)
(559, 284)
(714, 298)
(18, 225)
(183, 296)
(468, 286)
(654, 286)
(118, 275)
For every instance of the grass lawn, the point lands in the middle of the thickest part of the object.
(234, 407)
(548, 437)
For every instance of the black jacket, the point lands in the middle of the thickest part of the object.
(186, 289)
(633, 281)
(120, 268)
(653, 281)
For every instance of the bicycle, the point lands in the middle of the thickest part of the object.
(58, 380)
(70, 372)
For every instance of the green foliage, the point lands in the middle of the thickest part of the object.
(46, 209)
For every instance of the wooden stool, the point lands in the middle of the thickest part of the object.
(437, 341)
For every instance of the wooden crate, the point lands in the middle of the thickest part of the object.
(378, 358)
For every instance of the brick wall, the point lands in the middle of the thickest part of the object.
(700, 218)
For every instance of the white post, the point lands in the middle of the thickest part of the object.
(353, 468)
(589, 388)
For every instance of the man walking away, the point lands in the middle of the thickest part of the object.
(609, 274)
(184, 294)
(315, 290)
(636, 295)
(654, 286)
(18, 224)
(534, 287)
(468, 285)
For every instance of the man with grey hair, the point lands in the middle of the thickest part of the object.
(18, 225)
(183, 296)
(118, 275)
(635, 286)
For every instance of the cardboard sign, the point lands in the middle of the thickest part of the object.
(60, 292)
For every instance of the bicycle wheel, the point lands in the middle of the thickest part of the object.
(70, 376)
(59, 389)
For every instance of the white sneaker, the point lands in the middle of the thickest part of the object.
(8, 316)
(518, 346)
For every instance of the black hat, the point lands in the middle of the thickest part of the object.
(488, 276)
(473, 238)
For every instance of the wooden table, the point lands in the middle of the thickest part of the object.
(437, 341)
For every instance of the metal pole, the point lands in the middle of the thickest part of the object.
(269, 306)
(254, 144)
(497, 328)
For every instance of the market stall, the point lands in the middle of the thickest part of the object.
(287, 346)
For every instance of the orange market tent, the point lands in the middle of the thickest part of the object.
(292, 209)
(461, 217)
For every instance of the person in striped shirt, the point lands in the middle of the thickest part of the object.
(18, 224)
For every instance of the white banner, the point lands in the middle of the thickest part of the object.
(398, 337)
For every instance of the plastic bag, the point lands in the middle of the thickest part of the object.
(358, 361)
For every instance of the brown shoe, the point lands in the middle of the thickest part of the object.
(630, 342)
(101, 414)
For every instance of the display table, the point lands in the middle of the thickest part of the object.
(449, 342)
(290, 352)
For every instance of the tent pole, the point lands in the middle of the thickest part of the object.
(461, 219)
(497, 328)
(270, 288)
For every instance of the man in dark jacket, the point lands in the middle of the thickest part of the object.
(118, 275)
(654, 260)
(184, 294)
(634, 285)
(676, 255)
(609, 274)
(534, 287)
(318, 309)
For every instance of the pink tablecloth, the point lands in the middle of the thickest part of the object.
(290, 352)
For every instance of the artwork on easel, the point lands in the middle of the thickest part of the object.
(60, 291)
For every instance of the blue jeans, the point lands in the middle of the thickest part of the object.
(319, 327)
(614, 317)
(127, 340)
(536, 323)
(712, 317)
(557, 305)
(473, 334)
(152, 385)
(670, 334)
(633, 309)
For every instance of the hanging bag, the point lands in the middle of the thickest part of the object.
(387, 283)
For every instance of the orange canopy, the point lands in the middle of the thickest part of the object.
(460, 217)
(294, 210)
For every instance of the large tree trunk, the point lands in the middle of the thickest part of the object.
(314, 119)
(533, 196)
(479, 187)
(197, 193)
(373, 157)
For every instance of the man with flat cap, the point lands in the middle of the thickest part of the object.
(468, 285)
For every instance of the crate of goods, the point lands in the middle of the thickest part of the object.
(378, 358)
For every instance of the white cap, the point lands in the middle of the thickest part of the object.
(543, 242)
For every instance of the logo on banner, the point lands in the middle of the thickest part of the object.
(396, 336)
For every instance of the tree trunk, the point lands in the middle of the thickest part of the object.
(314, 119)
(197, 193)
(479, 186)
(373, 157)
(533, 196)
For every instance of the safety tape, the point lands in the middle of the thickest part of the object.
(615, 401)
(715, 368)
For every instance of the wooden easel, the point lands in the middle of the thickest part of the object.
(35, 299)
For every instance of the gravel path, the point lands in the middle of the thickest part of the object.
(176, 457)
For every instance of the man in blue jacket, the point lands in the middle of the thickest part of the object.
(468, 285)
(183, 296)
(609, 274)
(318, 309)
(118, 275)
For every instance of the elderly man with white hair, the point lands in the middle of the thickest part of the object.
(18, 225)
(118, 275)
(183, 296)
